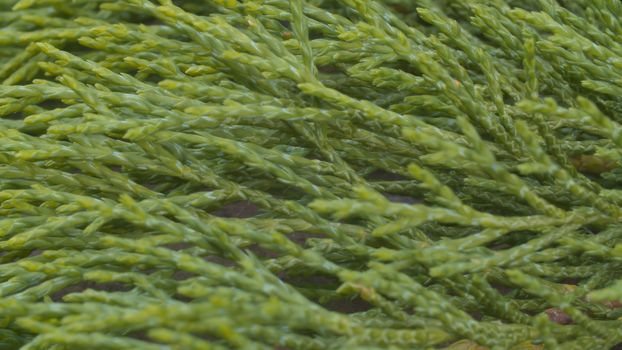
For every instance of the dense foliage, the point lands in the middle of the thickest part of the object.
(310, 174)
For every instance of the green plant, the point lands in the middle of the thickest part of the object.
(234, 173)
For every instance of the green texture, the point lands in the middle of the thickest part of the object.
(311, 174)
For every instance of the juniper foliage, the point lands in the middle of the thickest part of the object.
(450, 171)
